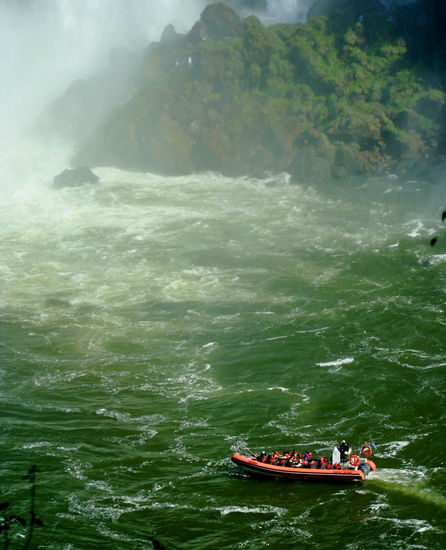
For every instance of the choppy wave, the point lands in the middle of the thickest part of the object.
(151, 325)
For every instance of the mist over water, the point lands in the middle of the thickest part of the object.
(50, 43)
(151, 325)
(46, 45)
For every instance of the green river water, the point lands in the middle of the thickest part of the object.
(150, 326)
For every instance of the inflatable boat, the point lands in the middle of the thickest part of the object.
(341, 467)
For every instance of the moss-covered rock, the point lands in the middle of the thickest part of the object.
(216, 22)
(332, 97)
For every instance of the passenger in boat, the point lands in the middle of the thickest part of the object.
(307, 460)
(296, 460)
(284, 458)
(262, 457)
(321, 462)
(291, 458)
(344, 450)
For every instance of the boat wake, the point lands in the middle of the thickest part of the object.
(411, 483)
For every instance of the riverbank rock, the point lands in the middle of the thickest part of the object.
(74, 177)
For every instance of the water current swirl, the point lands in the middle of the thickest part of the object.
(151, 325)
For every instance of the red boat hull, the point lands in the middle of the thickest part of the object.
(254, 467)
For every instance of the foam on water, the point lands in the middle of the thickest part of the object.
(336, 365)
(410, 483)
(151, 324)
(114, 244)
(265, 509)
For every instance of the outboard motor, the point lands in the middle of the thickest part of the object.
(364, 467)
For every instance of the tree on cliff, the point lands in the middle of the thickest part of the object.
(332, 97)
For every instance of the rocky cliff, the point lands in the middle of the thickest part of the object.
(339, 95)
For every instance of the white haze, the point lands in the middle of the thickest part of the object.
(287, 11)
(47, 44)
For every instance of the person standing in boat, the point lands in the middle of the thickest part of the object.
(341, 453)
(345, 450)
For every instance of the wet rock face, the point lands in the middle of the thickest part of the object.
(169, 35)
(216, 22)
(75, 177)
(330, 98)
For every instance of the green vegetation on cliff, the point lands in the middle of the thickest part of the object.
(332, 97)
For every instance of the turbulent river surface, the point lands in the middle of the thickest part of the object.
(150, 326)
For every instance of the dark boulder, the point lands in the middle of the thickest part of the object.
(75, 177)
